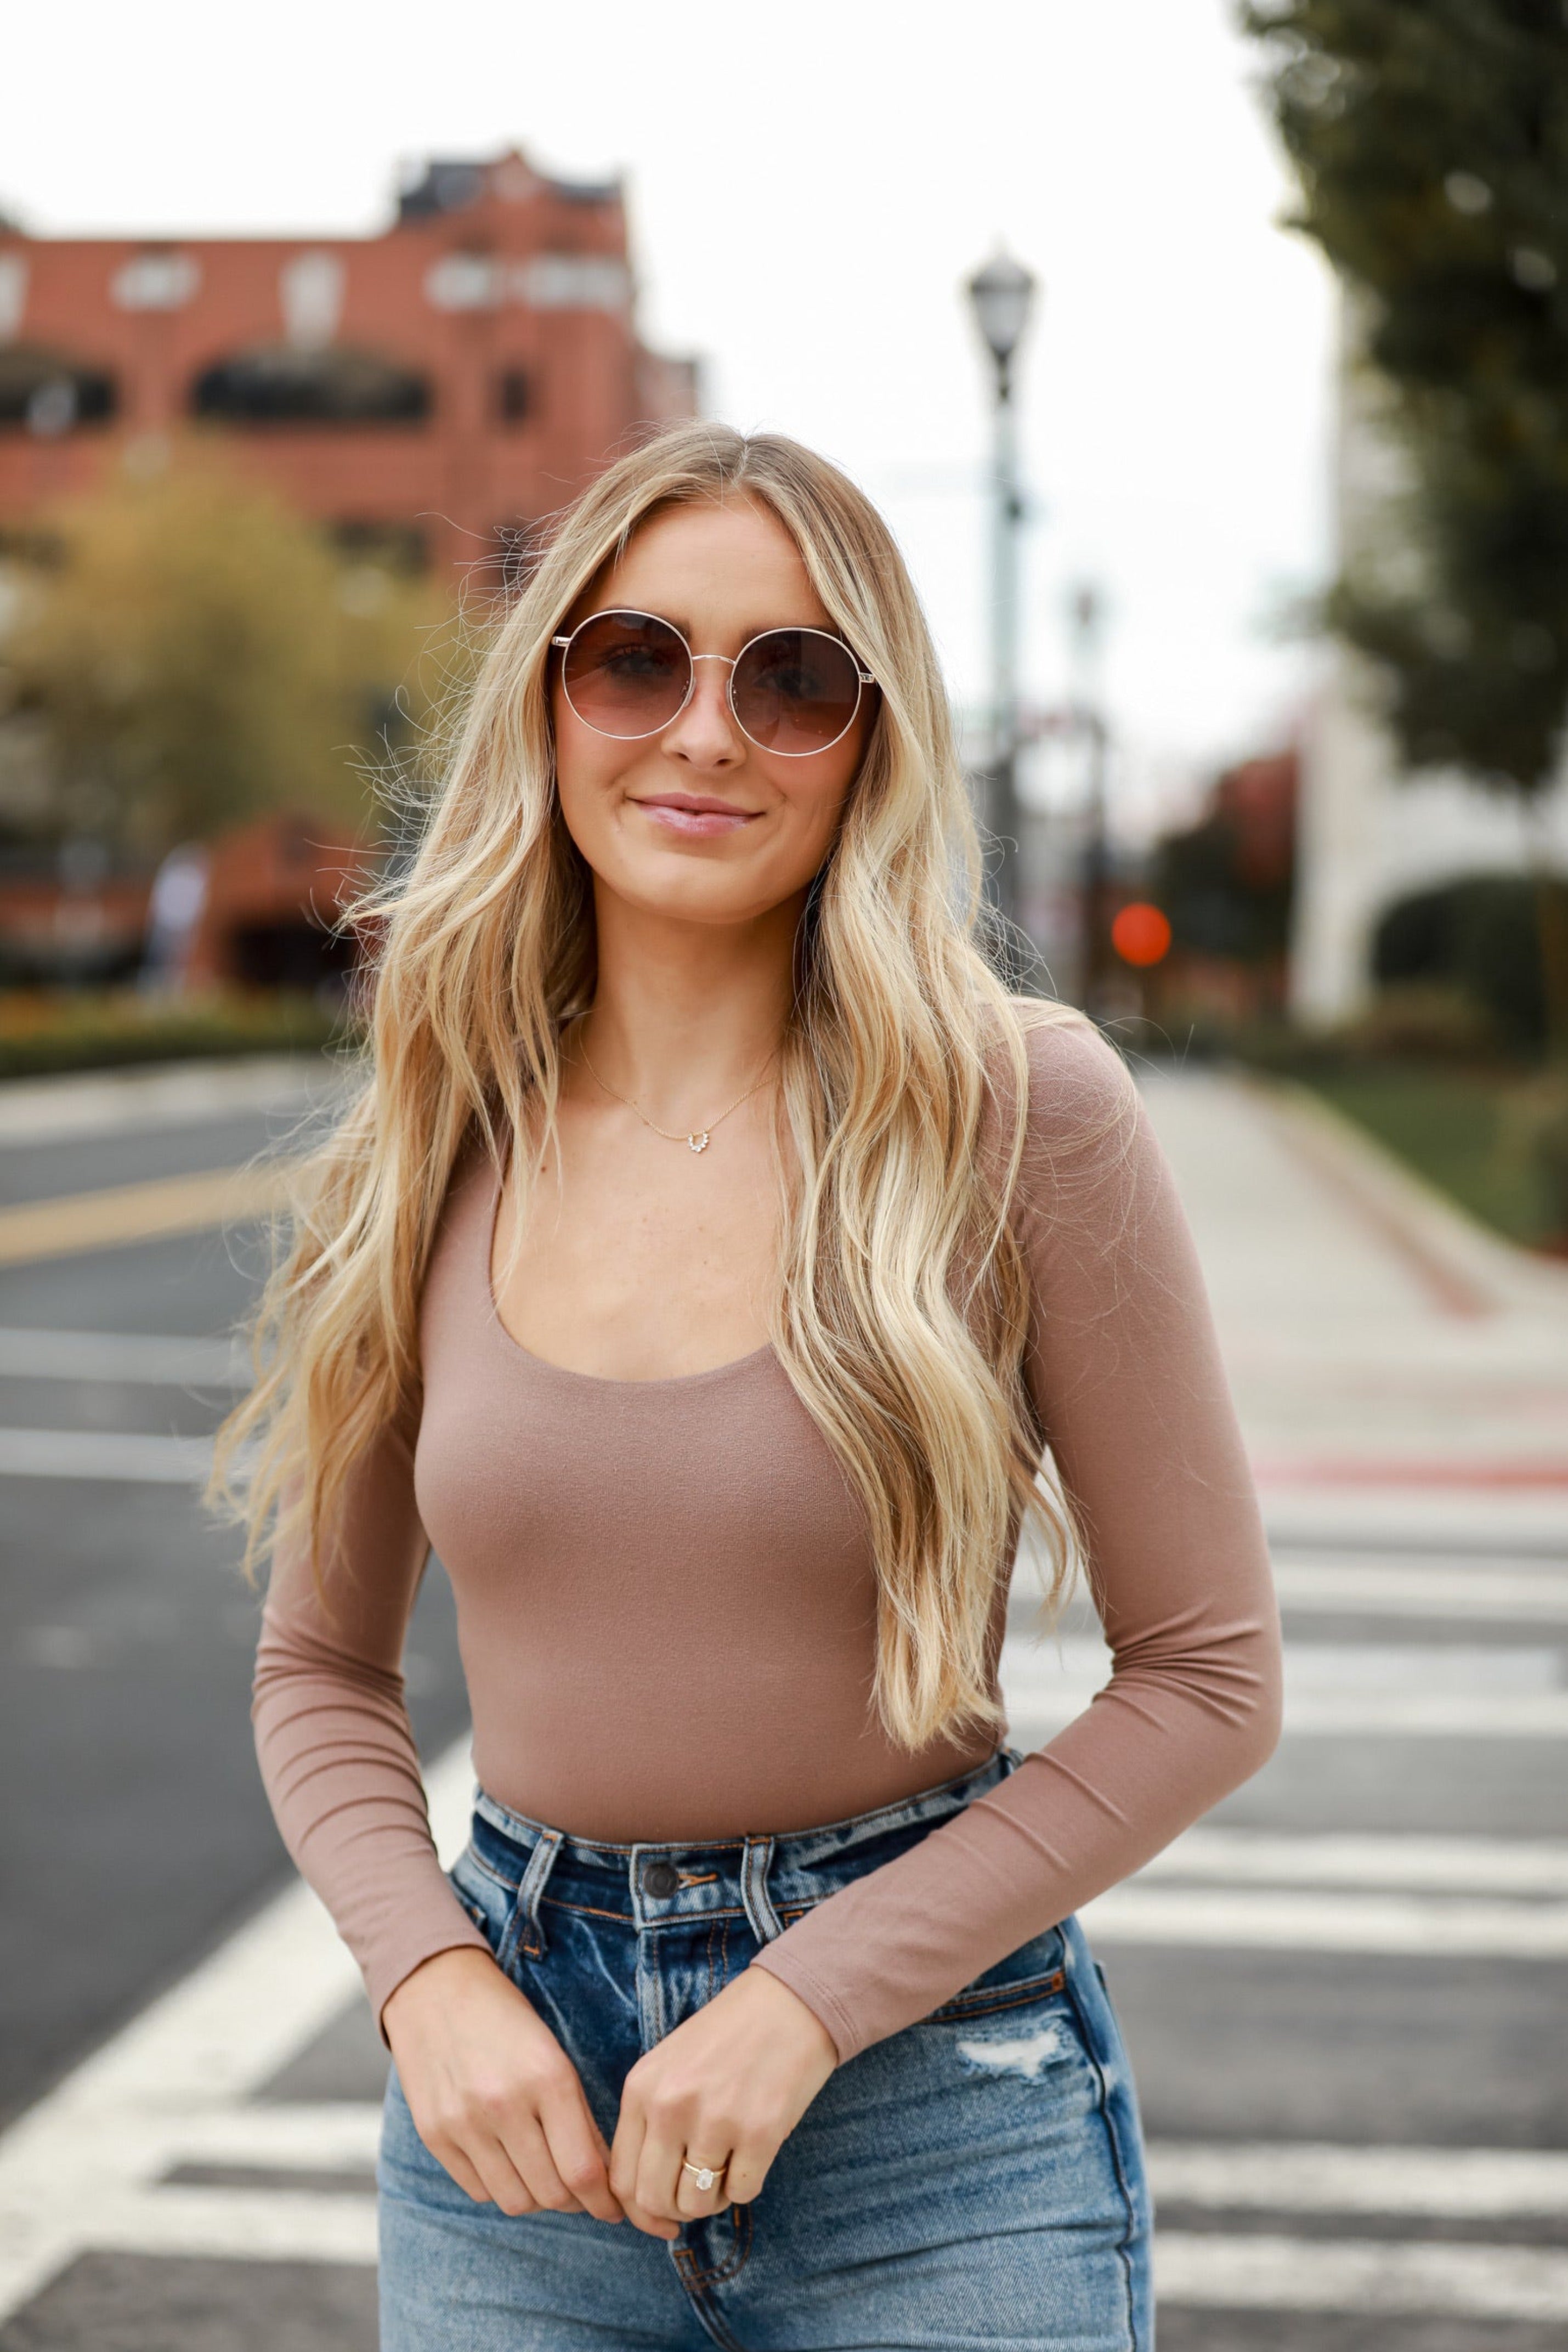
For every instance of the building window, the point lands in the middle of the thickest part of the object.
(277, 384)
(14, 276)
(45, 392)
(464, 281)
(515, 397)
(156, 282)
(311, 290)
(574, 281)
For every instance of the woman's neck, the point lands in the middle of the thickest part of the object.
(687, 1014)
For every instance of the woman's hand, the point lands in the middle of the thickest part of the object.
(732, 2081)
(494, 2097)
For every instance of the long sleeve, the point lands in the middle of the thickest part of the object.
(1126, 1378)
(332, 1734)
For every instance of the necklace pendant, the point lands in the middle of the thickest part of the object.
(697, 1143)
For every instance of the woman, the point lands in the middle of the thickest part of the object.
(706, 1268)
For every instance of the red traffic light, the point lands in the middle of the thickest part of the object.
(1141, 935)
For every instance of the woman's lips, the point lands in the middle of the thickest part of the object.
(697, 820)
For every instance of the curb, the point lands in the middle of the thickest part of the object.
(1466, 1269)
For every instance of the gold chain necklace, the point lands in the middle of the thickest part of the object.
(697, 1139)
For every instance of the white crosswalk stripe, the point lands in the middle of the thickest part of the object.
(119, 1456)
(1282, 2274)
(123, 1359)
(1377, 1689)
(1445, 2183)
(1289, 1921)
(1452, 1865)
(1370, 1586)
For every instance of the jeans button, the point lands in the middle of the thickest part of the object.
(661, 1879)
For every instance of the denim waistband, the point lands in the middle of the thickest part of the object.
(760, 1876)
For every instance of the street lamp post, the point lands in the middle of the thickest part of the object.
(1087, 610)
(1002, 294)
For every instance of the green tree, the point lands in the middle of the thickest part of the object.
(1430, 139)
(199, 653)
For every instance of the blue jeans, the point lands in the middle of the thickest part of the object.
(976, 2179)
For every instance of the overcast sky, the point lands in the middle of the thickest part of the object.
(808, 187)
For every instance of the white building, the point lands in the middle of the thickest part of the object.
(1370, 835)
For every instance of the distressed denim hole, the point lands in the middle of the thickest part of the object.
(1013, 2054)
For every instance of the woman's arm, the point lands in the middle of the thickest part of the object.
(1126, 1372)
(332, 1734)
(492, 2093)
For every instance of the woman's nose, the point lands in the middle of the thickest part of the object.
(706, 732)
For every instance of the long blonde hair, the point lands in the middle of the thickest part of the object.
(902, 1305)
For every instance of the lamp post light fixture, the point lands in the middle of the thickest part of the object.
(1002, 295)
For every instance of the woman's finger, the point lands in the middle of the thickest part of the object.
(659, 2172)
(577, 2147)
(626, 2151)
(692, 2201)
(631, 2125)
(506, 2189)
(747, 2171)
(482, 2169)
(652, 2225)
(626, 2167)
(452, 2159)
(522, 2136)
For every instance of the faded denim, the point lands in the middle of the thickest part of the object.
(975, 2180)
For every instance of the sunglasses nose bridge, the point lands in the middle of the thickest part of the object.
(691, 702)
(727, 691)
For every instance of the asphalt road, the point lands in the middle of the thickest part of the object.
(1345, 1994)
(135, 1834)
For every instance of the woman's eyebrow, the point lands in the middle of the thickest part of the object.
(659, 613)
(753, 628)
(742, 635)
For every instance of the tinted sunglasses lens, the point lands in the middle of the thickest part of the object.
(626, 673)
(795, 690)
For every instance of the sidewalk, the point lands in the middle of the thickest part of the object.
(1399, 1372)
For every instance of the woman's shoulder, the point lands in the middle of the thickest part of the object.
(1081, 1144)
(1080, 1091)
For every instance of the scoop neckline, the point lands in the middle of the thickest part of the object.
(566, 1371)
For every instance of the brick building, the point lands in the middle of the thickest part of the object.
(427, 392)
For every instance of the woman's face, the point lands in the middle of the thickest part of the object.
(696, 822)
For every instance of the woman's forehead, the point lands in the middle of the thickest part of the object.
(709, 562)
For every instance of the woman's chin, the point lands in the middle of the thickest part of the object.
(699, 893)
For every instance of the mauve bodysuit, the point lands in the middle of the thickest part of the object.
(668, 1604)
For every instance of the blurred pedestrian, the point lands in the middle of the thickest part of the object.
(709, 1261)
(174, 910)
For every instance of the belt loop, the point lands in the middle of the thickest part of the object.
(754, 1869)
(525, 1929)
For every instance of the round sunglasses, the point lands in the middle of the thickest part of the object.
(791, 691)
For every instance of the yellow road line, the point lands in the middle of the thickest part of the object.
(138, 1212)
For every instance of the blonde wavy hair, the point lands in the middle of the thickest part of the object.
(902, 1303)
